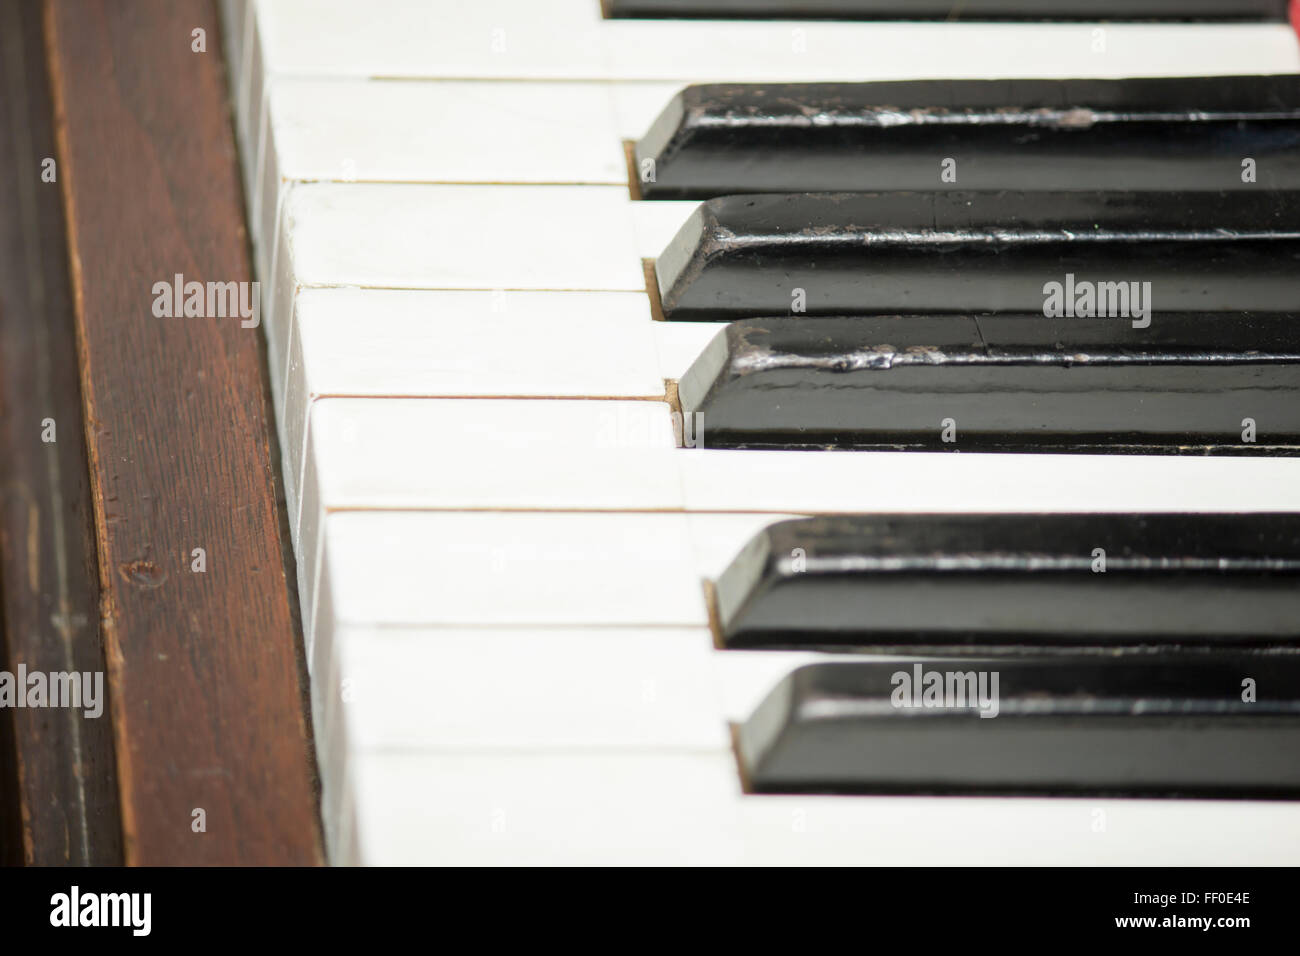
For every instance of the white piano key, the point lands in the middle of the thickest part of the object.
(549, 809)
(498, 39)
(553, 810)
(441, 343)
(378, 342)
(797, 830)
(374, 342)
(494, 238)
(307, 38)
(350, 130)
(595, 455)
(370, 235)
(468, 455)
(542, 689)
(560, 39)
(463, 237)
(773, 51)
(448, 131)
(484, 453)
(558, 569)
(341, 129)
(827, 482)
(529, 689)
(608, 455)
(549, 688)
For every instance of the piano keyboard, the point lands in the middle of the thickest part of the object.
(516, 554)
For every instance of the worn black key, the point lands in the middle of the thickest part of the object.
(914, 252)
(1192, 133)
(952, 9)
(1185, 725)
(999, 582)
(1208, 383)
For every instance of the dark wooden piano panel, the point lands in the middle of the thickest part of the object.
(204, 670)
(60, 761)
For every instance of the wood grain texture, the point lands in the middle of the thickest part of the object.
(64, 775)
(205, 669)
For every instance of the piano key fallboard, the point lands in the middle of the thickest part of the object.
(585, 584)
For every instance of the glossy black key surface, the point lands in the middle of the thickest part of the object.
(914, 252)
(1157, 726)
(954, 9)
(1209, 383)
(1000, 582)
(1189, 133)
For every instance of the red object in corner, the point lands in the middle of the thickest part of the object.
(1295, 15)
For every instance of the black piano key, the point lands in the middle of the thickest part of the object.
(1156, 726)
(997, 583)
(1208, 383)
(1190, 133)
(1268, 10)
(982, 252)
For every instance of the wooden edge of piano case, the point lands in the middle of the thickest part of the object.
(58, 794)
(204, 664)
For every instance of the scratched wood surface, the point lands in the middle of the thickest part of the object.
(61, 760)
(212, 747)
